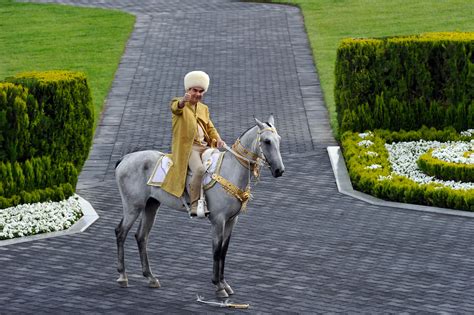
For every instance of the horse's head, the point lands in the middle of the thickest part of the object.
(270, 146)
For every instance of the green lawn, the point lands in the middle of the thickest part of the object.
(57, 37)
(329, 21)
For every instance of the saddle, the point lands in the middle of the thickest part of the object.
(211, 159)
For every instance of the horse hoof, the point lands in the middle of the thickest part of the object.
(154, 283)
(123, 283)
(222, 294)
(227, 288)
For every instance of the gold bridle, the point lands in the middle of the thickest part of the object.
(248, 159)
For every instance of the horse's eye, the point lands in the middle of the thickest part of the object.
(267, 141)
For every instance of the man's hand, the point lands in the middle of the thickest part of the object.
(185, 99)
(220, 143)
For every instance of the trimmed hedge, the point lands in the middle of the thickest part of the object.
(62, 123)
(17, 114)
(54, 193)
(445, 170)
(406, 82)
(380, 183)
(36, 173)
(46, 129)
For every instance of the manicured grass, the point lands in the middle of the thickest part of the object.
(329, 21)
(37, 37)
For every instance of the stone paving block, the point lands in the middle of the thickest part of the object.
(308, 79)
(314, 103)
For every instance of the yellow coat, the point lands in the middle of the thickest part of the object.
(184, 130)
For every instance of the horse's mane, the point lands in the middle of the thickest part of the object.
(268, 124)
(245, 132)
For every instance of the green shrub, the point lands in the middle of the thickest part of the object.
(46, 126)
(54, 193)
(445, 170)
(62, 123)
(406, 82)
(35, 175)
(425, 133)
(15, 106)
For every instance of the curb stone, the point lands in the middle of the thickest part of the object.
(344, 186)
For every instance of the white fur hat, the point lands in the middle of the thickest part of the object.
(196, 79)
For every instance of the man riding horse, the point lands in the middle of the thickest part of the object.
(193, 133)
(258, 146)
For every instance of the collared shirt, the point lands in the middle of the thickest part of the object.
(199, 138)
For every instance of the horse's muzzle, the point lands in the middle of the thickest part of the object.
(278, 172)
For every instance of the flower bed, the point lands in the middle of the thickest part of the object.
(454, 161)
(384, 164)
(41, 217)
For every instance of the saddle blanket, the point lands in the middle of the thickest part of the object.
(211, 159)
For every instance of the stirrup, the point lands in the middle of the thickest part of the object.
(202, 209)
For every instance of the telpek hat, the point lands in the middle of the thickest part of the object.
(196, 79)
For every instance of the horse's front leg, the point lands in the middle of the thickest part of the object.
(229, 227)
(217, 248)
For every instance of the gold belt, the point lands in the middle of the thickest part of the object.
(235, 191)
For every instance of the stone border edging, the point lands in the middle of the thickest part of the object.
(89, 217)
(344, 186)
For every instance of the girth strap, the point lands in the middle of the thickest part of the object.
(233, 190)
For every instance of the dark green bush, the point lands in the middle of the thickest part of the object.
(62, 123)
(46, 128)
(406, 82)
(34, 179)
(425, 133)
(54, 193)
(15, 121)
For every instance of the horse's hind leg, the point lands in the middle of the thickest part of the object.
(121, 234)
(146, 223)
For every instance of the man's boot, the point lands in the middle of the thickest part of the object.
(194, 195)
(198, 204)
(195, 190)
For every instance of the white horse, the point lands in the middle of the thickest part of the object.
(258, 145)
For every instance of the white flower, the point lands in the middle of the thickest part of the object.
(373, 167)
(404, 155)
(40, 217)
(467, 133)
(372, 153)
(388, 177)
(454, 152)
(366, 135)
(365, 143)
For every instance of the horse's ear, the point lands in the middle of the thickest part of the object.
(271, 120)
(260, 124)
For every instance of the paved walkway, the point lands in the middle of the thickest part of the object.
(302, 248)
